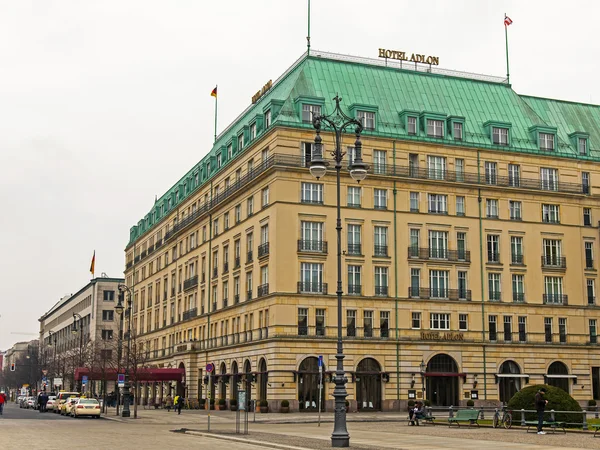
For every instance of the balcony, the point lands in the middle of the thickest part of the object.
(214, 306)
(381, 291)
(591, 300)
(263, 250)
(556, 299)
(310, 201)
(215, 272)
(439, 294)
(589, 263)
(249, 295)
(225, 302)
(381, 251)
(236, 263)
(495, 296)
(493, 258)
(307, 287)
(225, 267)
(353, 205)
(518, 297)
(439, 254)
(190, 313)
(249, 257)
(354, 289)
(263, 290)
(516, 258)
(236, 299)
(554, 262)
(190, 283)
(312, 246)
(354, 249)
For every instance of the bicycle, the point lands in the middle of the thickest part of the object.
(505, 420)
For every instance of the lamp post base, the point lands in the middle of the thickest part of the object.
(340, 436)
(126, 411)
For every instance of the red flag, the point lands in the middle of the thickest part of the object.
(214, 93)
(93, 264)
(507, 20)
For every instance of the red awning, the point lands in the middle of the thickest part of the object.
(444, 374)
(141, 375)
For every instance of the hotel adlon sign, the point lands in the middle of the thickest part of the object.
(403, 56)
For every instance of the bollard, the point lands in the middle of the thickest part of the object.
(481, 413)
(450, 412)
(552, 419)
(596, 413)
(522, 417)
(585, 424)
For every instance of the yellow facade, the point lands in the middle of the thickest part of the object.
(174, 283)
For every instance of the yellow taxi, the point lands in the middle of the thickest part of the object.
(67, 406)
(61, 398)
(86, 407)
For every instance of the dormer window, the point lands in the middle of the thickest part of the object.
(240, 142)
(582, 146)
(253, 131)
(367, 119)
(500, 136)
(219, 160)
(412, 125)
(435, 128)
(309, 111)
(546, 141)
(229, 151)
(457, 131)
(268, 119)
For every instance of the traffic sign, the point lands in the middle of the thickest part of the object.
(320, 360)
(84, 380)
(210, 367)
(44, 380)
(44, 372)
(121, 380)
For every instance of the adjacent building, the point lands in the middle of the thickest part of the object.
(81, 330)
(469, 251)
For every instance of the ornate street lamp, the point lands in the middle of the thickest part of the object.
(338, 122)
(120, 308)
(423, 368)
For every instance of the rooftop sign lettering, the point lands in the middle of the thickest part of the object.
(262, 91)
(403, 56)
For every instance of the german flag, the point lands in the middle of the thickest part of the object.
(93, 264)
(214, 93)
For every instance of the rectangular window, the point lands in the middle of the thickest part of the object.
(549, 179)
(435, 128)
(351, 322)
(518, 287)
(367, 119)
(414, 243)
(457, 131)
(550, 213)
(500, 136)
(381, 281)
(351, 154)
(553, 291)
(462, 285)
(546, 141)
(416, 320)
(463, 322)
(439, 321)
(522, 328)
(265, 197)
(514, 175)
(312, 193)
(436, 167)
(320, 322)
(552, 252)
(582, 146)
(312, 236)
(307, 154)
(461, 245)
(491, 172)
(585, 181)
(459, 164)
(109, 296)
(412, 125)
(354, 239)
(368, 323)
(591, 291)
(589, 255)
(593, 332)
(354, 280)
(438, 284)
(587, 217)
(507, 328)
(438, 203)
(253, 131)
(268, 119)
(491, 208)
(562, 330)
(302, 321)
(238, 215)
(492, 328)
(381, 241)
(240, 141)
(460, 205)
(379, 161)
(438, 244)
(415, 282)
(353, 198)
(414, 202)
(380, 198)
(384, 324)
(515, 210)
(107, 335)
(493, 248)
(516, 250)
(494, 287)
(310, 111)
(108, 315)
(219, 160)
(548, 329)
(413, 165)
(311, 276)
(250, 206)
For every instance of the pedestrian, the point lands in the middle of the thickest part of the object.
(169, 403)
(540, 406)
(416, 413)
(2, 402)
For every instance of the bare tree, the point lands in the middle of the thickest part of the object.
(104, 361)
(137, 358)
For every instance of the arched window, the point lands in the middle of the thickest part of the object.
(558, 376)
(507, 385)
(308, 385)
(368, 385)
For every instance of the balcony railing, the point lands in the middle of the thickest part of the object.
(215, 272)
(516, 258)
(307, 287)
(495, 296)
(381, 290)
(225, 267)
(312, 246)
(263, 249)
(493, 257)
(591, 300)
(263, 290)
(354, 249)
(354, 289)
(190, 313)
(190, 282)
(437, 293)
(519, 297)
(439, 253)
(249, 295)
(236, 262)
(556, 299)
(554, 262)
(236, 299)
(225, 302)
(380, 250)
(589, 263)
(249, 257)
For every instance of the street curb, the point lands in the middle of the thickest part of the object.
(246, 441)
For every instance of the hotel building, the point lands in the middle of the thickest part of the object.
(469, 251)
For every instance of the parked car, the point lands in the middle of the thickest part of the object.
(19, 398)
(50, 403)
(61, 398)
(65, 408)
(86, 407)
(30, 403)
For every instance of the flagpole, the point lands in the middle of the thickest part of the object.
(308, 37)
(216, 99)
(506, 38)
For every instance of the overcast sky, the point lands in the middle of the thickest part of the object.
(105, 104)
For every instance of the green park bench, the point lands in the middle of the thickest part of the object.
(465, 415)
(552, 425)
(595, 427)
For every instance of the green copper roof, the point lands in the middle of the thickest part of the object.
(479, 102)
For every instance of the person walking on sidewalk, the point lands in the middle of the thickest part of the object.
(540, 406)
(2, 402)
(180, 401)
(169, 403)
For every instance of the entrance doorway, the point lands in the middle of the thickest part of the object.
(368, 385)
(235, 380)
(263, 379)
(442, 381)
(507, 385)
(560, 381)
(248, 382)
(223, 382)
(308, 385)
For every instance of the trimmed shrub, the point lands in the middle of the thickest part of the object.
(592, 402)
(558, 400)
(232, 402)
(263, 403)
(212, 401)
(285, 404)
(411, 403)
(427, 403)
(470, 403)
(222, 401)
